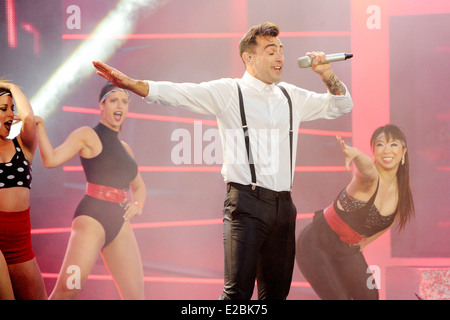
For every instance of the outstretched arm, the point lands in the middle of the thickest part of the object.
(364, 167)
(120, 79)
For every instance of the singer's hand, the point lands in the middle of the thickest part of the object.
(113, 75)
(120, 79)
(318, 64)
(333, 84)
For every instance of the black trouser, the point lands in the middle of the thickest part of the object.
(335, 270)
(259, 242)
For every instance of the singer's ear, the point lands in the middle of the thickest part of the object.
(246, 56)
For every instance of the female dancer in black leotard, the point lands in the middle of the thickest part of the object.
(329, 250)
(101, 220)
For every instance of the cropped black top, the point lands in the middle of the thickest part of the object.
(17, 172)
(113, 167)
(363, 217)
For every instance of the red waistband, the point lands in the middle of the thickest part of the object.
(107, 193)
(344, 231)
(15, 236)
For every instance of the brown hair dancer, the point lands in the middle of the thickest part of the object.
(16, 156)
(101, 223)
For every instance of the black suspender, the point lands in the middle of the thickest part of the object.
(290, 128)
(247, 136)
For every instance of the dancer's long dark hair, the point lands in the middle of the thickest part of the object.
(405, 207)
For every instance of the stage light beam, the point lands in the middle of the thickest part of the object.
(120, 20)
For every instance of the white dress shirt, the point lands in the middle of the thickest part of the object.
(267, 113)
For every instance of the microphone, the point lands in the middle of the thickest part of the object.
(305, 62)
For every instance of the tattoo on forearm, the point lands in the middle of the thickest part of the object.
(335, 85)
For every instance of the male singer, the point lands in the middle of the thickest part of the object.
(259, 214)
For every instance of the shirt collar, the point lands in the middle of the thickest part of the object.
(256, 84)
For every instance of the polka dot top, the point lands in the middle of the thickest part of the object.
(17, 172)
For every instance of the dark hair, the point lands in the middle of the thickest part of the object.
(405, 207)
(265, 29)
(5, 91)
(106, 88)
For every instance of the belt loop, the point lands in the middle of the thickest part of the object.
(258, 191)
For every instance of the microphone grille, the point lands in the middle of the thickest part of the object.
(304, 62)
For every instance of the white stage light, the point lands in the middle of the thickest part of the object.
(100, 46)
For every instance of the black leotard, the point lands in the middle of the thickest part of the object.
(113, 167)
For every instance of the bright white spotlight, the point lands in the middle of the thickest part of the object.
(100, 46)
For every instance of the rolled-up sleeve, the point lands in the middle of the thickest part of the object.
(312, 105)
